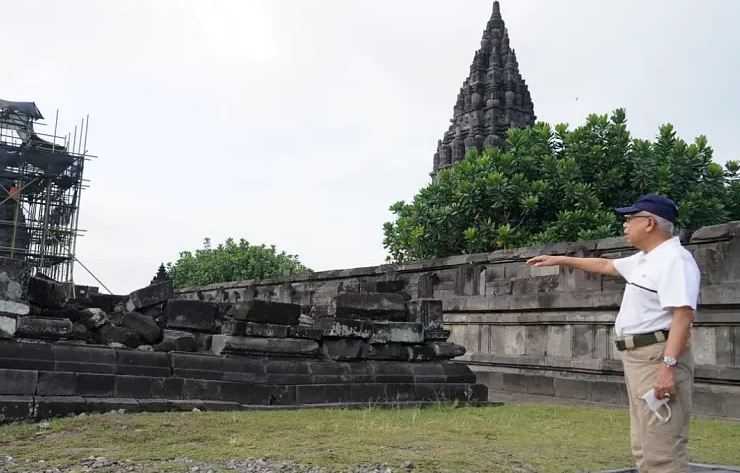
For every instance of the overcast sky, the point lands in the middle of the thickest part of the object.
(298, 123)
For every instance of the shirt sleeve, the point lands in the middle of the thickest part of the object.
(679, 284)
(624, 266)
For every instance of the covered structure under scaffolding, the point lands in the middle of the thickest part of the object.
(40, 187)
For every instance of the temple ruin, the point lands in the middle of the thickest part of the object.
(493, 98)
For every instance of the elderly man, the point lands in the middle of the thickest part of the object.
(653, 328)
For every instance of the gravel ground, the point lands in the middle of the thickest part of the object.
(184, 465)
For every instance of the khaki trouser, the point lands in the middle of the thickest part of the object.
(658, 447)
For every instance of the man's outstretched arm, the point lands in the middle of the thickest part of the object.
(592, 265)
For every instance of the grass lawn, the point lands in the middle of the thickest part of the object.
(514, 437)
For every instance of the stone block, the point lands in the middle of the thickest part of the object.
(191, 315)
(305, 332)
(201, 389)
(439, 334)
(322, 394)
(13, 408)
(200, 366)
(59, 406)
(260, 311)
(233, 327)
(14, 308)
(176, 340)
(345, 328)
(259, 345)
(149, 296)
(8, 325)
(108, 334)
(572, 388)
(704, 344)
(83, 358)
(14, 276)
(22, 382)
(514, 340)
(708, 403)
(142, 363)
(144, 326)
(103, 405)
(252, 329)
(536, 343)
(397, 332)
(344, 348)
(428, 312)
(446, 350)
(559, 340)
(390, 286)
(583, 341)
(43, 328)
(423, 352)
(715, 232)
(609, 392)
(389, 351)
(515, 383)
(46, 292)
(736, 338)
(106, 302)
(458, 372)
(540, 385)
(56, 383)
(26, 355)
(166, 388)
(96, 385)
(136, 387)
(375, 306)
(724, 349)
(368, 393)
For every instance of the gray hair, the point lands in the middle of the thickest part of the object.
(663, 225)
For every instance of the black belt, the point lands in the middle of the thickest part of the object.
(629, 342)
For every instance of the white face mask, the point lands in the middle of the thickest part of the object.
(654, 404)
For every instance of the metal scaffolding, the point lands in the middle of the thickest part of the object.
(40, 188)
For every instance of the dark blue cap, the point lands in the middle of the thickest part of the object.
(655, 204)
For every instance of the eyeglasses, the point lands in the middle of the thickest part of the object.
(629, 218)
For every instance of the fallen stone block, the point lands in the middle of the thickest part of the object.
(107, 302)
(222, 344)
(8, 325)
(149, 296)
(265, 330)
(345, 328)
(14, 308)
(389, 351)
(176, 340)
(191, 315)
(397, 332)
(265, 312)
(233, 327)
(109, 333)
(344, 348)
(143, 325)
(306, 332)
(376, 306)
(43, 328)
(428, 312)
(93, 318)
(46, 292)
(438, 334)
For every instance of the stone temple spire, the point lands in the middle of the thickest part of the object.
(492, 99)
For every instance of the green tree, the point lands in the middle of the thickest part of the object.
(556, 184)
(231, 261)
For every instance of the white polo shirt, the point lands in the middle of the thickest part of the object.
(657, 282)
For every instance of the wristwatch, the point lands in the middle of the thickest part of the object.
(669, 361)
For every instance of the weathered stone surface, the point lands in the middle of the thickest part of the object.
(149, 296)
(345, 328)
(14, 275)
(143, 325)
(389, 351)
(306, 332)
(43, 327)
(176, 340)
(439, 334)
(109, 333)
(445, 350)
(397, 332)
(265, 312)
(46, 292)
(106, 302)
(233, 327)
(257, 345)
(191, 315)
(390, 286)
(8, 324)
(428, 312)
(723, 230)
(344, 348)
(14, 308)
(265, 330)
(94, 318)
(376, 306)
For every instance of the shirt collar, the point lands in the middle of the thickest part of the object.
(661, 249)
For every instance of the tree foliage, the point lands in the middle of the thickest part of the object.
(555, 184)
(231, 261)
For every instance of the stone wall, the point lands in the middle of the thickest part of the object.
(541, 331)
